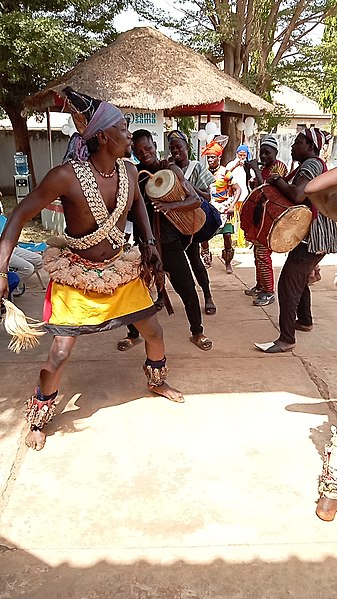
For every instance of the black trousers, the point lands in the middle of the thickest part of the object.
(294, 295)
(175, 263)
(198, 267)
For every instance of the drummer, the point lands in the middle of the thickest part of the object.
(172, 243)
(201, 179)
(293, 291)
(263, 291)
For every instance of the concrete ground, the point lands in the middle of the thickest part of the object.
(135, 497)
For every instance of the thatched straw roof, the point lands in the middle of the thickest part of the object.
(145, 69)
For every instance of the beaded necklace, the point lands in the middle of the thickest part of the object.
(105, 175)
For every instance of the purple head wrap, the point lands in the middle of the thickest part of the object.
(107, 115)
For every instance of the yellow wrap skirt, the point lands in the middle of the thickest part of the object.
(71, 312)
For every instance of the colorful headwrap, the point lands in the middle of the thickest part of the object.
(177, 135)
(213, 148)
(317, 137)
(244, 148)
(90, 116)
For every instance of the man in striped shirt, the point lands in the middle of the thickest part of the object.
(293, 292)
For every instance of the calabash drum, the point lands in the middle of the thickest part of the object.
(267, 217)
(165, 186)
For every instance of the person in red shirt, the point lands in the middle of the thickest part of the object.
(263, 291)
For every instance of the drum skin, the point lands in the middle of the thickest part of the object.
(267, 217)
(165, 186)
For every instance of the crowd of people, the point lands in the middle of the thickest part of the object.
(98, 282)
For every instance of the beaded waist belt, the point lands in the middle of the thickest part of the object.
(67, 268)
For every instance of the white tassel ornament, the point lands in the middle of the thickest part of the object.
(24, 334)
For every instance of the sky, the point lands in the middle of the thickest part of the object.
(129, 18)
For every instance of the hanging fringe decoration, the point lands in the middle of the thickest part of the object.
(24, 334)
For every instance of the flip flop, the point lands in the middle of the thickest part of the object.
(128, 343)
(202, 342)
(210, 307)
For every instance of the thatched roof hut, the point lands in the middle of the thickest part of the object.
(144, 69)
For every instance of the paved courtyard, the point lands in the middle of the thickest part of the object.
(135, 497)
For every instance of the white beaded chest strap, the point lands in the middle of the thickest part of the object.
(106, 222)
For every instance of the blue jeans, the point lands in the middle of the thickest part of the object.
(13, 281)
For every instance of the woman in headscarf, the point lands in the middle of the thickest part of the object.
(200, 178)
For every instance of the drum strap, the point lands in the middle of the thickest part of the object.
(295, 171)
(191, 166)
(156, 231)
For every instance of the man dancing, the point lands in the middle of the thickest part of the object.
(293, 292)
(94, 285)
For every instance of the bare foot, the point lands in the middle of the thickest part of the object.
(36, 440)
(326, 509)
(166, 391)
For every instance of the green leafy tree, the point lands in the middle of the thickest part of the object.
(328, 48)
(259, 42)
(253, 39)
(39, 41)
(280, 116)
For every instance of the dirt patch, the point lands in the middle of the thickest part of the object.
(33, 229)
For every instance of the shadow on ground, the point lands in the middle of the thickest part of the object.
(24, 575)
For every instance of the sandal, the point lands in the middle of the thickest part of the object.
(128, 343)
(201, 342)
(210, 307)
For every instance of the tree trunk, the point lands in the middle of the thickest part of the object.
(228, 128)
(21, 135)
(229, 58)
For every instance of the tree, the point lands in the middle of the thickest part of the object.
(328, 49)
(261, 43)
(255, 40)
(39, 41)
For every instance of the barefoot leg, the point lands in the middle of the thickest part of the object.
(41, 406)
(152, 332)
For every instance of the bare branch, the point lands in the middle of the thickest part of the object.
(287, 35)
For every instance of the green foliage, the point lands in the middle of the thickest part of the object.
(261, 42)
(40, 40)
(269, 121)
(328, 48)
